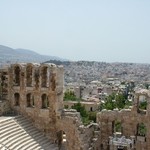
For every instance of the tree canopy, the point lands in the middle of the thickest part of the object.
(87, 117)
(115, 101)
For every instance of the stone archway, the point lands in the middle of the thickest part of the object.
(16, 99)
(44, 76)
(45, 101)
(29, 72)
(61, 140)
(17, 75)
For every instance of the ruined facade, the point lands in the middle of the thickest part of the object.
(135, 124)
(36, 92)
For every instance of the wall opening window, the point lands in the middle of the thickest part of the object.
(53, 82)
(62, 139)
(17, 99)
(44, 77)
(30, 100)
(142, 104)
(17, 76)
(36, 78)
(91, 109)
(32, 103)
(141, 129)
(29, 75)
(116, 126)
(45, 101)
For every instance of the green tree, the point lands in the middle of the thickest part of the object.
(87, 117)
(117, 126)
(92, 116)
(69, 95)
(142, 129)
(114, 101)
(80, 109)
(143, 105)
(120, 101)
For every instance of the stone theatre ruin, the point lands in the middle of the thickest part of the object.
(35, 91)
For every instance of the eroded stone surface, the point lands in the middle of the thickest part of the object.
(130, 120)
(36, 92)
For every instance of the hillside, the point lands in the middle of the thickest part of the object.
(88, 71)
(10, 55)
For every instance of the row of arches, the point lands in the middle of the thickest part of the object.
(30, 100)
(31, 74)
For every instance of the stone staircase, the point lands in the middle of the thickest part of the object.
(18, 133)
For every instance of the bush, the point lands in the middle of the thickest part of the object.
(69, 95)
(92, 116)
(80, 109)
(115, 101)
(87, 117)
(143, 105)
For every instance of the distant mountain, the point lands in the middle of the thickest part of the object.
(10, 55)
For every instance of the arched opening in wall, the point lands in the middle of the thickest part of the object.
(53, 82)
(30, 100)
(17, 75)
(142, 104)
(91, 109)
(61, 140)
(44, 76)
(117, 127)
(141, 130)
(17, 99)
(29, 75)
(36, 77)
(3, 85)
(45, 101)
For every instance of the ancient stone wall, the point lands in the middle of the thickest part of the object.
(130, 119)
(79, 137)
(4, 107)
(4, 101)
(36, 91)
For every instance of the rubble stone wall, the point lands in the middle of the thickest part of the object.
(4, 101)
(36, 92)
(130, 119)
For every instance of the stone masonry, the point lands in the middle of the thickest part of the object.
(36, 92)
(130, 120)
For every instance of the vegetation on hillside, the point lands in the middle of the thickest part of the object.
(87, 117)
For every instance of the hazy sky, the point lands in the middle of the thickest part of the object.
(101, 30)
